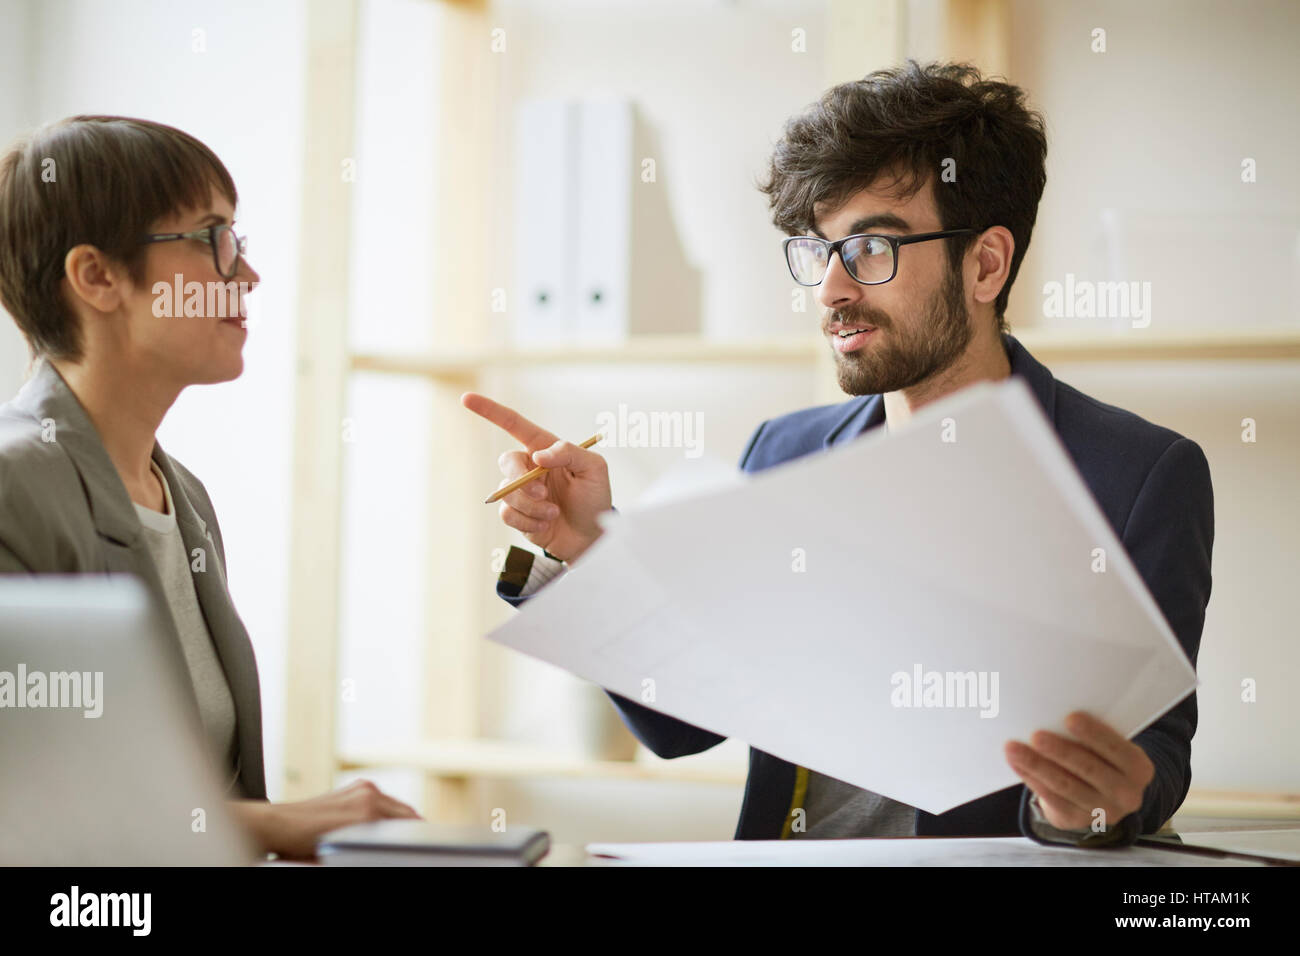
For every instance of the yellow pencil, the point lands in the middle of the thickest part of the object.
(535, 473)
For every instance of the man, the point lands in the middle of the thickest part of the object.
(911, 195)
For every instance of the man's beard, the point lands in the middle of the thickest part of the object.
(908, 354)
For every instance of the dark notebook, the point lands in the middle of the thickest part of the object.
(417, 843)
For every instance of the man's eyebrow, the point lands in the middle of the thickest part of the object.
(888, 220)
(212, 218)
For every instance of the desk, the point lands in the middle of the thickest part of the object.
(933, 851)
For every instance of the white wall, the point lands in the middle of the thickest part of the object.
(17, 112)
(1155, 129)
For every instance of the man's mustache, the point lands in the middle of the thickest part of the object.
(853, 318)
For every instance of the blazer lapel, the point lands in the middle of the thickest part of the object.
(1036, 375)
(47, 397)
(860, 415)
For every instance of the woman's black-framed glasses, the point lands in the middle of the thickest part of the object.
(870, 258)
(226, 246)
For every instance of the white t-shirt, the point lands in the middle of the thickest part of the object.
(216, 704)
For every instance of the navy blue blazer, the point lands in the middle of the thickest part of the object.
(1154, 487)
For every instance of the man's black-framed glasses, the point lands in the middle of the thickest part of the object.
(870, 258)
(226, 246)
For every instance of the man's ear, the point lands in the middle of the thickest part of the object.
(993, 251)
(93, 278)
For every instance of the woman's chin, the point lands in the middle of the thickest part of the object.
(227, 370)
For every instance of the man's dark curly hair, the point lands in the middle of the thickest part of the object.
(902, 124)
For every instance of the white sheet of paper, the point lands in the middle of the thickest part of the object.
(791, 610)
(1280, 844)
(999, 851)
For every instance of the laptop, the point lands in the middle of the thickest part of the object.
(102, 760)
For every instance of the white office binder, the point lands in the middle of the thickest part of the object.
(598, 259)
(606, 171)
(545, 222)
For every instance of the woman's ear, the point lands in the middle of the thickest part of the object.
(93, 279)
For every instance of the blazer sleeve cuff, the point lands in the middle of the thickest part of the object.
(1036, 826)
(513, 577)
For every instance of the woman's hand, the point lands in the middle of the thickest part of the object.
(292, 829)
(557, 512)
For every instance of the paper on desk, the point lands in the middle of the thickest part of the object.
(1280, 844)
(794, 610)
(928, 851)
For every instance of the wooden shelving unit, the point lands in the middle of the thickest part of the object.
(451, 766)
(1048, 345)
(503, 759)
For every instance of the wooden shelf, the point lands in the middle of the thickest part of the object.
(659, 349)
(1232, 803)
(1048, 345)
(1143, 345)
(501, 759)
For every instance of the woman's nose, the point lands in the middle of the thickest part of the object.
(248, 274)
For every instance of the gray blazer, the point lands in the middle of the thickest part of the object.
(64, 510)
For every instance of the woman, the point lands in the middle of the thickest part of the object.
(102, 220)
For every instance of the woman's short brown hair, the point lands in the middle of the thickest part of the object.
(100, 180)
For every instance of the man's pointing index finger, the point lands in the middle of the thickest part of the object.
(529, 435)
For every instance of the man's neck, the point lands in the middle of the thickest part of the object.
(985, 359)
(126, 419)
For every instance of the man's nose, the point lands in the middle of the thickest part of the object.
(838, 288)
